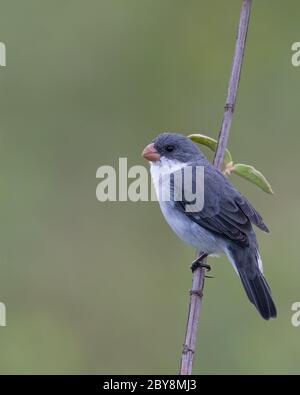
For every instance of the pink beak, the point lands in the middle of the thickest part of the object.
(150, 153)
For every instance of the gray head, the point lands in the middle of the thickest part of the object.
(172, 146)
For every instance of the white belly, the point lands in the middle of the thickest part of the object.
(190, 232)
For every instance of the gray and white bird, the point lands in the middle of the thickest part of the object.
(223, 225)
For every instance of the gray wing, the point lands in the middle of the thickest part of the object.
(226, 212)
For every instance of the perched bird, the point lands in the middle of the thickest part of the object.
(223, 225)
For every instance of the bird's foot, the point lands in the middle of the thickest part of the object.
(199, 263)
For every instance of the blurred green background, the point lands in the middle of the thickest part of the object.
(96, 287)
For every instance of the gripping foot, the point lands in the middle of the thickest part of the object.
(199, 263)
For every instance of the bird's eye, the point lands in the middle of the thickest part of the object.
(170, 148)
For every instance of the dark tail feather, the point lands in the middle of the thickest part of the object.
(256, 287)
(259, 294)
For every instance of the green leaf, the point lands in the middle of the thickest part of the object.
(210, 143)
(253, 175)
(245, 171)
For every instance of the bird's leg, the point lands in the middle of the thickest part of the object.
(199, 263)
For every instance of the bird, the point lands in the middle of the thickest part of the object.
(223, 225)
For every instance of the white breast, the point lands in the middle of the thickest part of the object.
(187, 230)
(161, 168)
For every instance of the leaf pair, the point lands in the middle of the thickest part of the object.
(245, 171)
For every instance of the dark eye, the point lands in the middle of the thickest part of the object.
(170, 148)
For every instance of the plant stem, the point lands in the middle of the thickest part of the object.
(196, 293)
(233, 82)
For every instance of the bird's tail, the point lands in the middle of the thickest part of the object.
(247, 263)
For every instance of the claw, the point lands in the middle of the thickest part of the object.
(198, 263)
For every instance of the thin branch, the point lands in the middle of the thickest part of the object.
(196, 293)
(233, 82)
(195, 304)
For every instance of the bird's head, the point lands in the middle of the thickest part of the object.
(172, 146)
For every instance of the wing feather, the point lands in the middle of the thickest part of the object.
(226, 212)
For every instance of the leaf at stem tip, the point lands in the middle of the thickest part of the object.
(210, 143)
(253, 175)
